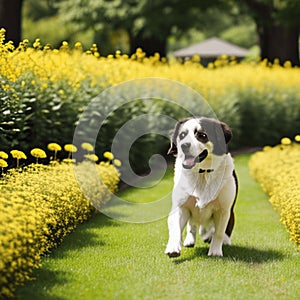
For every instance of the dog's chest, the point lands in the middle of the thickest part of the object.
(207, 188)
(203, 187)
(201, 214)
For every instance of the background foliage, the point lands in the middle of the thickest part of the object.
(44, 91)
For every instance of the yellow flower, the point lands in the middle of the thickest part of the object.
(37, 44)
(117, 163)
(108, 155)
(3, 155)
(18, 154)
(69, 160)
(54, 147)
(92, 157)
(70, 148)
(266, 148)
(38, 153)
(286, 141)
(87, 146)
(297, 138)
(78, 45)
(3, 163)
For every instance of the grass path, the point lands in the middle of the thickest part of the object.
(108, 259)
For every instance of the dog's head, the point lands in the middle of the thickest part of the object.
(196, 138)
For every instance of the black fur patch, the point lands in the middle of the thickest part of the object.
(217, 132)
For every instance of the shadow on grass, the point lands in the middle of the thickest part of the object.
(41, 289)
(83, 236)
(237, 253)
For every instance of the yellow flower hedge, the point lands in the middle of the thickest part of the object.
(74, 65)
(44, 90)
(39, 205)
(277, 169)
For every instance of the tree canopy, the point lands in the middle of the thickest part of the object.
(149, 23)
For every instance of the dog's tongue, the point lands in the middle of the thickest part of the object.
(189, 162)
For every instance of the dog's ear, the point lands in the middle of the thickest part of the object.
(218, 133)
(173, 136)
(173, 147)
(227, 132)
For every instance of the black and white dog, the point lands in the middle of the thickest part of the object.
(205, 185)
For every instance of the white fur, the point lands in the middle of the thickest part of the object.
(202, 201)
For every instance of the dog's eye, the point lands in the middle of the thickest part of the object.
(201, 136)
(182, 135)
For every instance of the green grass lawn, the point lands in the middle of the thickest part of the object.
(109, 259)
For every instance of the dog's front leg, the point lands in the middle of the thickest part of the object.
(220, 220)
(176, 222)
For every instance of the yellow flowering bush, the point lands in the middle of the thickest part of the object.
(39, 206)
(54, 86)
(277, 169)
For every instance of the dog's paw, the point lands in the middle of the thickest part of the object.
(226, 240)
(189, 241)
(173, 250)
(215, 252)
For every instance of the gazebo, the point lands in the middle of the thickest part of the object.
(210, 49)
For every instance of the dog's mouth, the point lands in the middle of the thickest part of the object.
(190, 161)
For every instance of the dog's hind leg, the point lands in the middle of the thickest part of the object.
(190, 238)
(229, 228)
(207, 233)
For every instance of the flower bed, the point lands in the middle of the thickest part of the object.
(39, 205)
(277, 170)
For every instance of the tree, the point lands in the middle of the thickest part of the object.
(10, 19)
(148, 23)
(278, 27)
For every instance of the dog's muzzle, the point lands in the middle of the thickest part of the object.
(190, 161)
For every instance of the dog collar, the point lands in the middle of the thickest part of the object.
(207, 170)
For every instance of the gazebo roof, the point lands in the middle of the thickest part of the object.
(212, 47)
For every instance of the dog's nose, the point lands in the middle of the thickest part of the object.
(185, 147)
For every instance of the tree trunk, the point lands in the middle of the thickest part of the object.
(10, 19)
(278, 41)
(149, 45)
